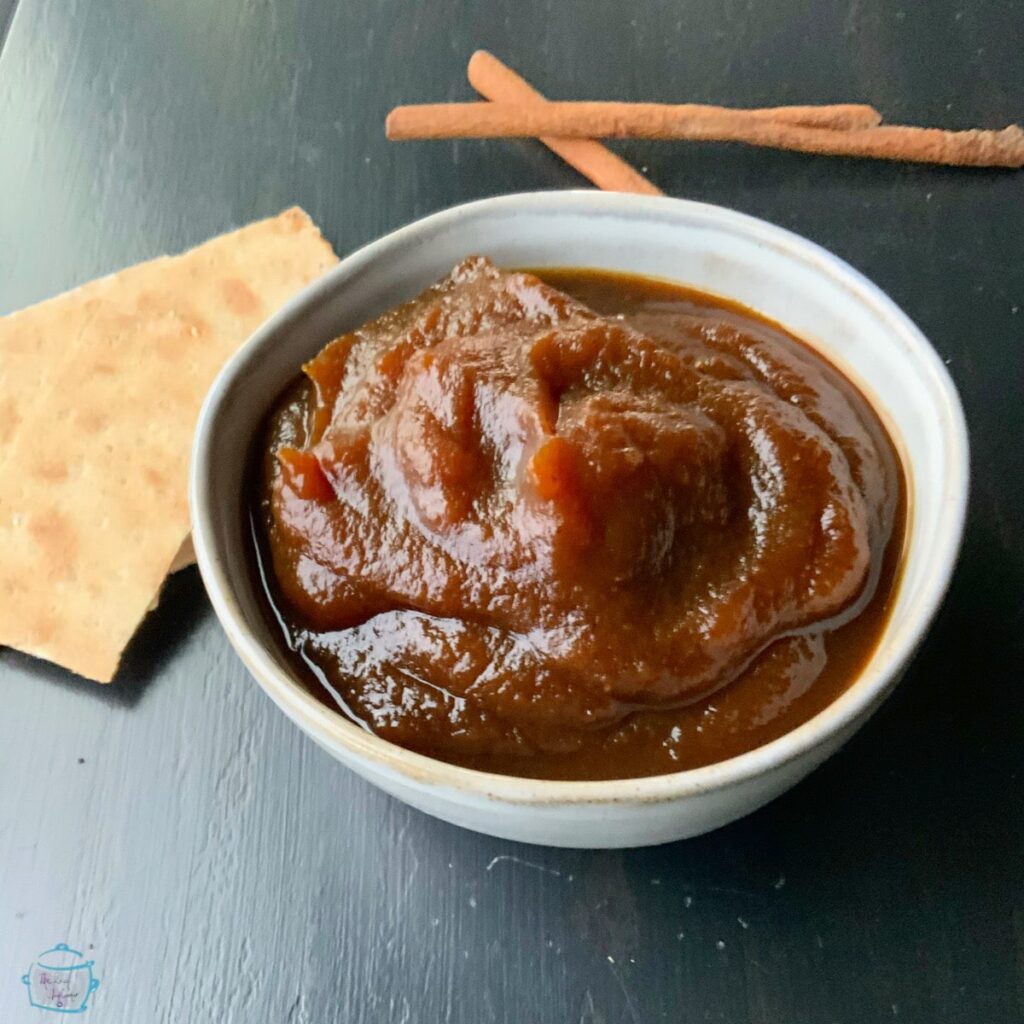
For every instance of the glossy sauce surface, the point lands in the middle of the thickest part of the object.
(588, 527)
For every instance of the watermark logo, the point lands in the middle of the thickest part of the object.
(61, 980)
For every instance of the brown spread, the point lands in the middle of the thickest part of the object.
(590, 526)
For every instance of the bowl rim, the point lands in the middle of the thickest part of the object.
(333, 729)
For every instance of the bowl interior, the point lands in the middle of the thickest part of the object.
(805, 288)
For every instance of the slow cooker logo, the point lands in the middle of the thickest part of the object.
(61, 980)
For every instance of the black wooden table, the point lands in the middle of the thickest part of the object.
(215, 864)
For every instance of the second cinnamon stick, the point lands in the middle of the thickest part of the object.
(496, 81)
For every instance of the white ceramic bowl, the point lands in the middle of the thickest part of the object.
(813, 293)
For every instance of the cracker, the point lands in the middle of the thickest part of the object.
(99, 394)
(186, 556)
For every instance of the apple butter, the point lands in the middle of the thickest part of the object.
(576, 525)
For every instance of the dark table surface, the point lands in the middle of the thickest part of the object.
(214, 863)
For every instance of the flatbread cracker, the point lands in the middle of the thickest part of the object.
(99, 393)
(185, 557)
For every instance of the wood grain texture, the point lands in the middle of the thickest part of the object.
(220, 867)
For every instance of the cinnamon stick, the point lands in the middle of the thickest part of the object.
(498, 82)
(762, 127)
(642, 119)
